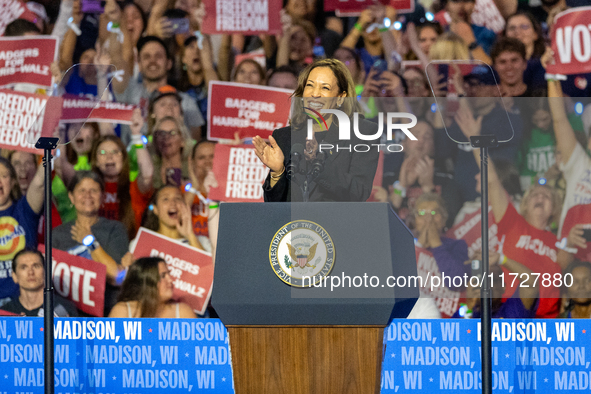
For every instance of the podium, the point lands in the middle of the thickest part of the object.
(320, 339)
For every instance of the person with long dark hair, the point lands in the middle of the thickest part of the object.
(147, 291)
(347, 175)
(125, 200)
(170, 216)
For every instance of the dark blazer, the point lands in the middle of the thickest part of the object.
(347, 175)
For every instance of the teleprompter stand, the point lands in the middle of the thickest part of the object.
(287, 340)
(484, 142)
(48, 144)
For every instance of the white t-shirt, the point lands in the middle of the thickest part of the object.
(577, 173)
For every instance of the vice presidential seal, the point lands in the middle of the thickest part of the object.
(301, 253)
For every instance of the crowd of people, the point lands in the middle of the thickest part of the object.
(112, 179)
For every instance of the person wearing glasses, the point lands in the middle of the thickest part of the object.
(450, 254)
(525, 27)
(125, 200)
(90, 235)
(171, 148)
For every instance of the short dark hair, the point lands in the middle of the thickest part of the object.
(81, 175)
(147, 39)
(19, 27)
(507, 44)
(24, 252)
(283, 69)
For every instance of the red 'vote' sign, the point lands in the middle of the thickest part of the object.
(571, 42)
(80, 280)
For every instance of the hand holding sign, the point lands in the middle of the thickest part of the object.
(270, 155)
(571, 42)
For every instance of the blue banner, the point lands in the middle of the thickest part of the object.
(187, 355)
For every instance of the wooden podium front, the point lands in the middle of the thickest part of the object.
(314, 340)
(306, 359)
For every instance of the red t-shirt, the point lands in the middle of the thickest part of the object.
(199, 217)
(139, 202)
(535, 249)
(579, 214)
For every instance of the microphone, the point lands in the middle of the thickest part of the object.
(297, 152)
(318, 164)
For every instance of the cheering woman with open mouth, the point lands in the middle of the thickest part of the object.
(329, 169)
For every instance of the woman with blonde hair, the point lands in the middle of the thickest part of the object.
(171, 147)
(449, 46)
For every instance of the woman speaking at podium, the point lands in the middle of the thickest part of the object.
(322, 168)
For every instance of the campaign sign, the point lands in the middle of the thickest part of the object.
(354, 7)
(469, 230)
(11, 10)
(571, 42)
(190, 268)
(80, 280)
(27, 60)
(147, 356)
(251, 110)
(248, 17)
(79, 110)
(239, 173)
(25, 117)
(447, 300)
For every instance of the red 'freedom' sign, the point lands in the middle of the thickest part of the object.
(251, 110)
(239, 173)
(78, 110)
(571, 42)
(27, 60)
(248, 17)
(80, 280)
(190, 268)
(24, 117)
(354, 7)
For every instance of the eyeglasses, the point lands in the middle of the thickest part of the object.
(523, 27)
(423, 212)
(114, 152)
(165, 134)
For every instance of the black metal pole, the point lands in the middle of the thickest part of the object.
(48, 144)
(485, 292)
(484, 142)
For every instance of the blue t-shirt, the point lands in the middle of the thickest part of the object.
(76, 85)
(484, 37)
(367, 59)
(18, 229)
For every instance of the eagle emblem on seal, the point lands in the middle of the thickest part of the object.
(302, 254)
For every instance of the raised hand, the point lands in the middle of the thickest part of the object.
(270, 155)
(465, 119)
(425, 171)
(137, 122)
